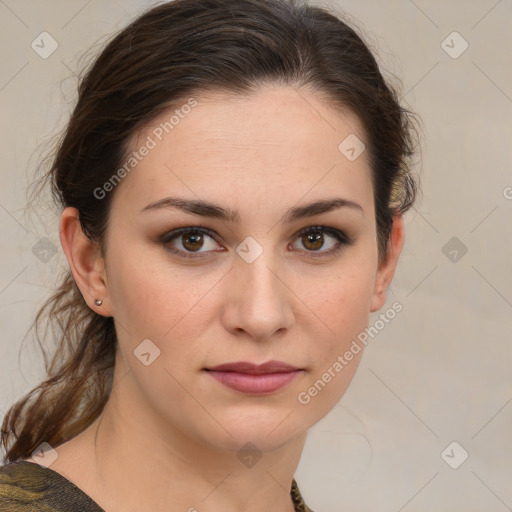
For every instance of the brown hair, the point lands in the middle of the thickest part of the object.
(168, 53)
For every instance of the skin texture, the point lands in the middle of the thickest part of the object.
(169, 435)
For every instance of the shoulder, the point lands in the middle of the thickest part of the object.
(29, 487)
(22, 487)
(298, 500)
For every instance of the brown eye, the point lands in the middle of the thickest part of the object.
(315, 238)
(190, 242)
(313, 241)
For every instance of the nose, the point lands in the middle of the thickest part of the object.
(260, 302)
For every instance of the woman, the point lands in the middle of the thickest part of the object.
(232, 183)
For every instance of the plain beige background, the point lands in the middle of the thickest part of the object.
(439, 372)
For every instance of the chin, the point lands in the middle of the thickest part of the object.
(263, 436)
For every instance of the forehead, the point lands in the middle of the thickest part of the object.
(276, 142)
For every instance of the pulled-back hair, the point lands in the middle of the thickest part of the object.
(166, 55)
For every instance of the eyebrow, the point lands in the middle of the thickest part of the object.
(208, 209)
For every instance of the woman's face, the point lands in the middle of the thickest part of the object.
(250, 288)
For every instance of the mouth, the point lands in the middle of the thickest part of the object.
(263, 383)
(255, 379)
(254, 369)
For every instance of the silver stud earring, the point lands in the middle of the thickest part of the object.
(98, 302)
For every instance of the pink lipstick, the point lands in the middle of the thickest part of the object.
(252, 378)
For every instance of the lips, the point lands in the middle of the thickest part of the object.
(255, 369)
(252, 378)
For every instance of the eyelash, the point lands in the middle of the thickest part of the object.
(342, 239)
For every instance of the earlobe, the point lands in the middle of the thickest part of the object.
(387, 267)
(85, 262)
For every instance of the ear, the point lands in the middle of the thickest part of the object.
(387, 267)
(85, 261)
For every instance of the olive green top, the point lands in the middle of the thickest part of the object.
(29, 487)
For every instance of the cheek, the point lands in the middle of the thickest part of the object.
(344, 302)
(168, 305)
(343, 305)
(146, 293)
